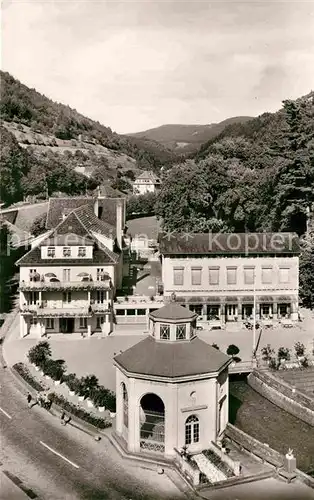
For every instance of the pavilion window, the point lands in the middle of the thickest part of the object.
(165, 332)
(213, 275)
(267, 275)
(66, 251)
(196, 275)
(231, 276)
(125, 405)
(180, 332)
(178, 275)
(192, 430)
(284, 275)
(51, 251)
(249, 275)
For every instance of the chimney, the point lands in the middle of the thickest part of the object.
(96, 206)
(119, 222)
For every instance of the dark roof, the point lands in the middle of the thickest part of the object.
(101, 255)
(228, 243)
(87, 217)
(108, 191)
(173, 311)
(172, 359)
(109, 209)
(59, 206)
(10, 216)
(69, 239)
(148, 175)
(148, 226)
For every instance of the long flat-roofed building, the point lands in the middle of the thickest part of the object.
(222, 275)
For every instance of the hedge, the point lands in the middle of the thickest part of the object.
(24, 372)
(75, 410)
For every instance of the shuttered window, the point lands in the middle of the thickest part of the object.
(178, 275)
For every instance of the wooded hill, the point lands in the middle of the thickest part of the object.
(58, 138)
(256, 176)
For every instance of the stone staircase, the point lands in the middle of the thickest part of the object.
(213, 474)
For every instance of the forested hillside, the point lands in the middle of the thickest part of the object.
(59, 139)
(255, 176)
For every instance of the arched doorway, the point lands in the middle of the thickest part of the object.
(152, 423)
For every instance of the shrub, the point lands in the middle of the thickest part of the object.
(272, 363)
(71, 381)
(89, 383)
(24, 372)
(283, 353)
(299, 349)
(76, 411)
(54, 369)
(267, 353)
(103, 397)
(39, 353)
(232, 350)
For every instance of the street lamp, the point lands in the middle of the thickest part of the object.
(254, 314)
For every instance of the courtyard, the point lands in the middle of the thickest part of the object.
(94, 355)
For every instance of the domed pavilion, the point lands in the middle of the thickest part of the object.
(171, 387)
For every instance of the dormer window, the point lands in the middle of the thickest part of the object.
(180, 332)
(51, 252)
(66, 251)
(165, 332)
(82, 251)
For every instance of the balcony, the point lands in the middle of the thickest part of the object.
(43, 311)
(139, 301)
(101, 308)
(64, 285)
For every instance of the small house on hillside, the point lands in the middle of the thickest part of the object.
(146, 182)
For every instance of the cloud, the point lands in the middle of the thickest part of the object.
(134, 65)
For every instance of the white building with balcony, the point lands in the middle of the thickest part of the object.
(222, 276)
(146, 182)
(69, 277)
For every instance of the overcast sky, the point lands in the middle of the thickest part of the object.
(134, 65)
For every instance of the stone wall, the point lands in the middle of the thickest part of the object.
(260, 450)
(280, 393)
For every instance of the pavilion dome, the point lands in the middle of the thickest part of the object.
(173, 312)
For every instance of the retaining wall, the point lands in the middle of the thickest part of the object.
(280, 393)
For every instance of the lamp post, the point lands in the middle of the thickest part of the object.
(254, 315)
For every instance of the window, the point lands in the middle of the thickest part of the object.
(82, 251)
(125, 405)
(213, 275)
(284, 275)
(267, 273)
(50, 323)
(66, 297)
(100, 274)
(130, 312)
(180, 332)
(83, 322)
(120, 312)
(33, 298)
(192, 430)
(141, 312)
(51, 252)
(165, 332)
(33, 321)
(231, 276)
(66, 274)
(178, 275)
(249, 275)
(196, 275)
(66, 251)
(266, 310)
(32, 274)
(197, 308)
(101, 297)
(100, 320)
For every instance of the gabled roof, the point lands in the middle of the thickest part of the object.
(172, 359)
(89, 220)
(148, 175)
(228, 243)
(173, 311)
(101, 256)
(70, 239)
(59, 206)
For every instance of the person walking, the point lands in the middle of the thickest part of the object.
(62, 418)
(29, 399)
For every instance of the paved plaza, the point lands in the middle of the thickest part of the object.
(95, 355)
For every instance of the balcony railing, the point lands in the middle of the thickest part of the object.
(139, 300)
(46, 311)
(64, 285)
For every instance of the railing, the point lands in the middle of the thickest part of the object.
(44, 311)
(64, 285)
(101, 307)
(139, 300)
(242, 366)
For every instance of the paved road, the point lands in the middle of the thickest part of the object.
(62, 462)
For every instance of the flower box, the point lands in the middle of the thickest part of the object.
(90, 403)
(101, 409)
(71, 393)
(112, 414)
(36, 368)
(57, 382)
(81, 398)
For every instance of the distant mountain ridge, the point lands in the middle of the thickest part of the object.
(184, 138)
